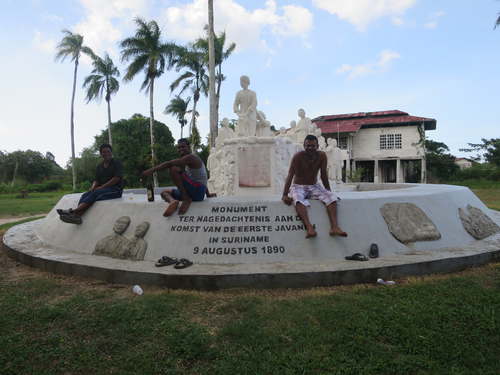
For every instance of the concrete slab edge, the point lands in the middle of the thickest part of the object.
(256, 280)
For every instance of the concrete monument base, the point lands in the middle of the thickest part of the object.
(259, 242)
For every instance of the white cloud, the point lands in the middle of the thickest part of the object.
(361, 12)
(433, 19)
(105, 19)
(45, 45)
(382, 64)
(186, 22)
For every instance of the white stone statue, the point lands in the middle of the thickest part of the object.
(263, 126)
(225, 132)
(335, 160)
(245, 106)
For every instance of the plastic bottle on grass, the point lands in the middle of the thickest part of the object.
(383, 282)
(137, 290)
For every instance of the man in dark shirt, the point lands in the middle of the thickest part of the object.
(303, 172)
(108, 184)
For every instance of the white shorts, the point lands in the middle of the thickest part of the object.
(301, 193)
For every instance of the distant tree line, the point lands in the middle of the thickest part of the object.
(28, 166)
(441, 165)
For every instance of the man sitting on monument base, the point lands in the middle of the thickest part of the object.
(188, 173)
(304, 173)
(108, 184)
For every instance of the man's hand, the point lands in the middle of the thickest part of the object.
(287, 200)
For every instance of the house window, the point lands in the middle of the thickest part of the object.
(342, 143)
(390, 141)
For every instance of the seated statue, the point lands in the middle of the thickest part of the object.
(263, 126)
(225, 132)
(245, 106)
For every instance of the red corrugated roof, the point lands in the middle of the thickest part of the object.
(352, 122)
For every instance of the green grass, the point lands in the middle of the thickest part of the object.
(6, 226)
(432, 325)
(35, 203)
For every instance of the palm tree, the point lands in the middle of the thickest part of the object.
(102, 79)
(220, 56)
(152, 56)
(191, 59)
(179, 108)
(72, 45)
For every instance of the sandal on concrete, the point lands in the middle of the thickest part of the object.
(356, 256)
(183, 263)
(166, 261)
(373, 251)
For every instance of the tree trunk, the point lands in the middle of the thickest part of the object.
(151, 134)
(195, 101)
(109, 123)
(211, 74)
(15, 174)
(73, 125)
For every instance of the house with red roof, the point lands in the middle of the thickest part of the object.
(387, 145)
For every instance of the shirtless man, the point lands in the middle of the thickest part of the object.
(189, 175)
(304, 173)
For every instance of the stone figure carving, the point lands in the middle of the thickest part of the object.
(408, 223)
(299, 130)
(115, 244)
(477, 223)
(263, 126)
(245, 106)
(225, 132)
(334, 160)
(137, 246)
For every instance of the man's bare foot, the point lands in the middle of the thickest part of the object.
(172, 207)
(311, 233)
(337, 232)
(184, 206)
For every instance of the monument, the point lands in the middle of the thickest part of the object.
(247, 237)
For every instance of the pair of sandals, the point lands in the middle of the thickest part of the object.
(372, 254)
(178, 263)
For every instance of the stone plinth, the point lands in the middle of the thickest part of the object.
(250, 166)
(252, 241)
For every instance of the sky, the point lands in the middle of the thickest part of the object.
(436, 59)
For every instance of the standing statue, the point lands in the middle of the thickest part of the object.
(245, 106)
(334, 161)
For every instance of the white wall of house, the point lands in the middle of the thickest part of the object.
(463, 163)
(366, 143)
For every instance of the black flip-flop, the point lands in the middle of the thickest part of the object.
(356, 256)
(183, 263)
(166, 261)
(373, 251)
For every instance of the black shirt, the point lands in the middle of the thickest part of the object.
(114, 169)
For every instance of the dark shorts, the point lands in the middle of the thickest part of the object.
(101, 195)
(194, 189)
